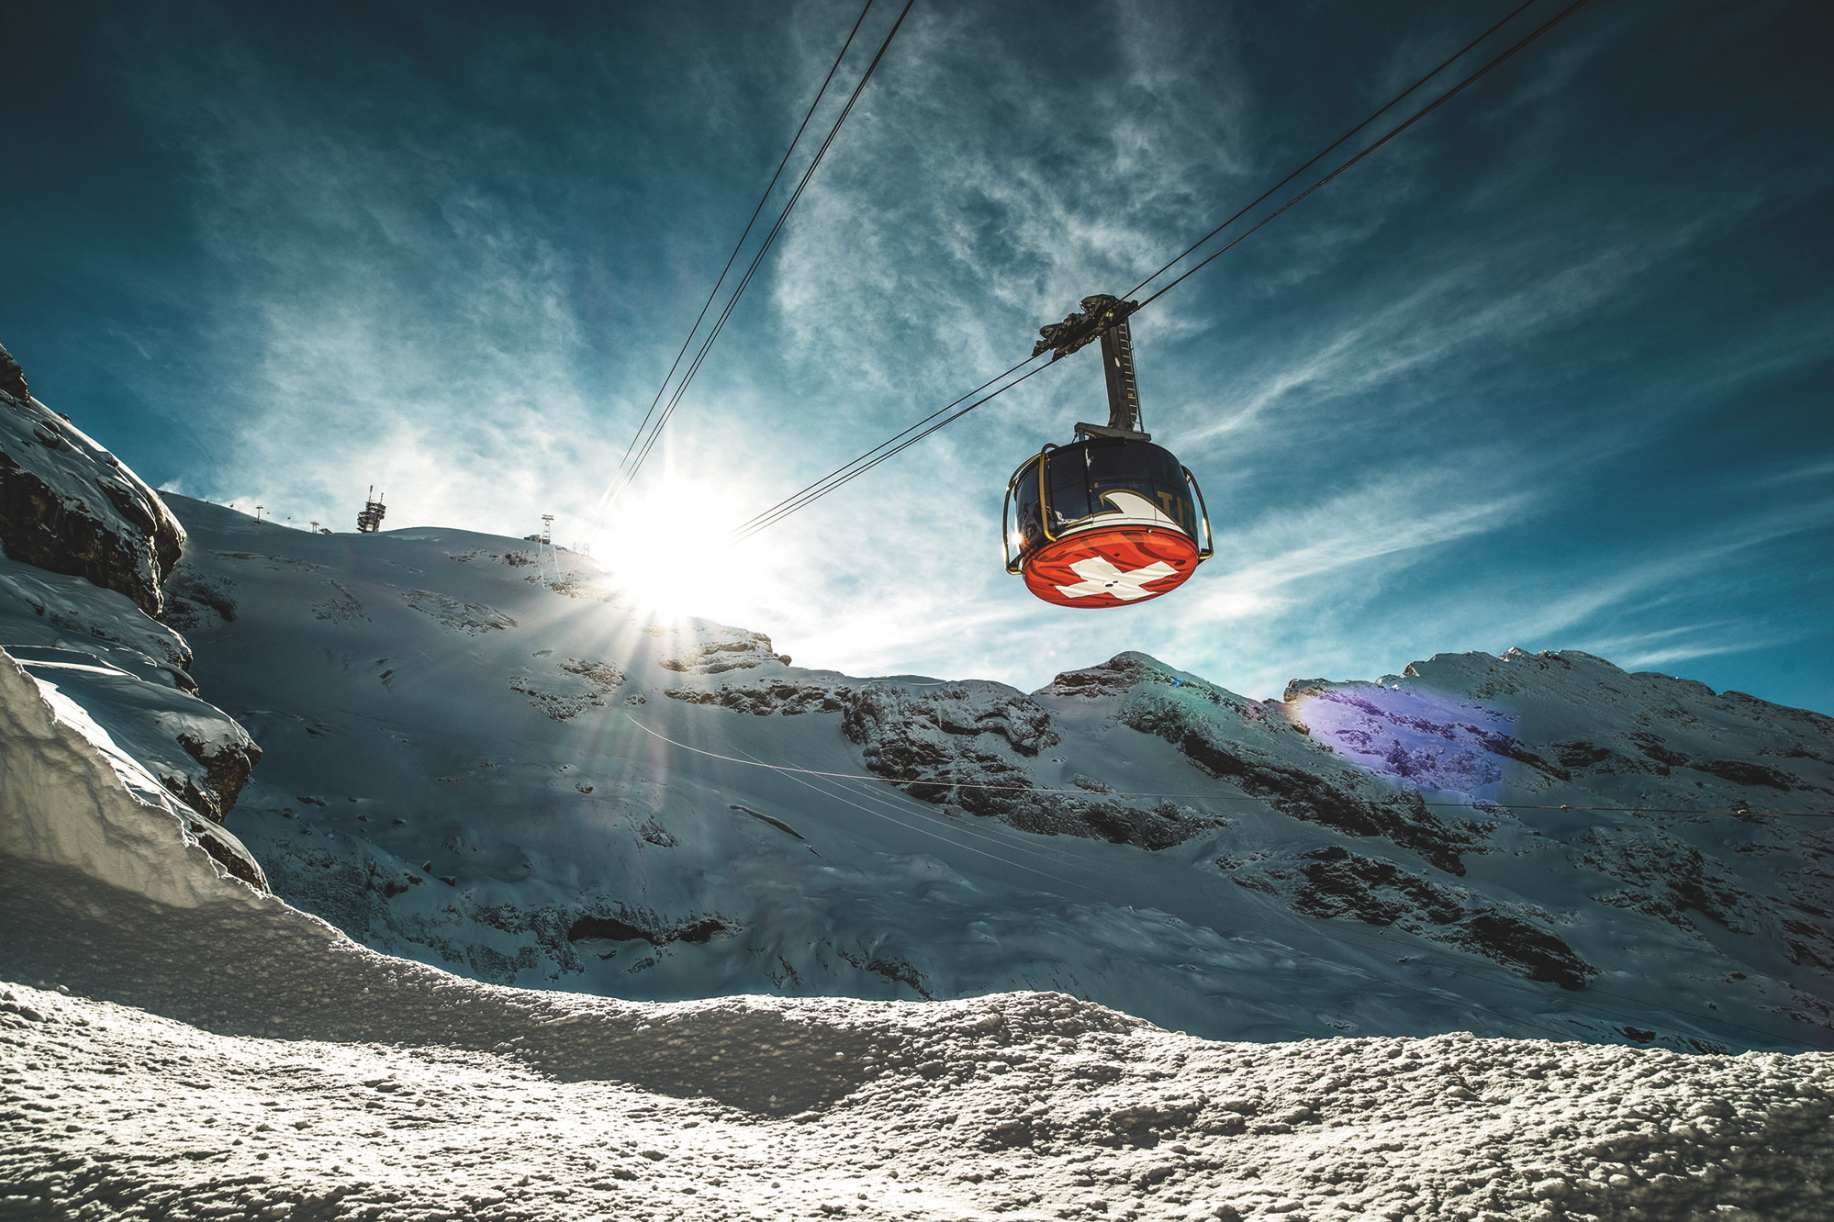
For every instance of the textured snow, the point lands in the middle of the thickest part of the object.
(39, 609)
(247, 1061)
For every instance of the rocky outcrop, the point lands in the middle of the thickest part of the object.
(74, 793)
(227, 758)
(88, 546)
(12, 378)
(784, 698)
(196, 600)
(563, 690)
(714, 649)
(965, 745)
(902, 729)
(69, 506)
(1332, 882)
(469, 619)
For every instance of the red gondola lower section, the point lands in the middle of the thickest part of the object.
(1110, 566)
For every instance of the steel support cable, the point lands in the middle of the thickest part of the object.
(763, 250)
(817, 490)
(1329, 148)
(851, 471)
(1424, 111)
(797, 496)
(604, 500)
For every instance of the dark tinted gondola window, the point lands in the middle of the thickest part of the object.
(1076, 476)
(1068, 480)
(1025, 498)
(1081, 473)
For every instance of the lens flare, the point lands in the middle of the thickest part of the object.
(664, 546)
(1421, 739)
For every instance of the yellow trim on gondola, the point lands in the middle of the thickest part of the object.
(1015, 565)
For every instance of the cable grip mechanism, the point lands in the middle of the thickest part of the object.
(1104, 316)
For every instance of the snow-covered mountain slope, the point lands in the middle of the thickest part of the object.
(296, 1075)
(530, 781)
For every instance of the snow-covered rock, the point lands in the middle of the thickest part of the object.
(87, 545)
(128, 674)
(69, 506)
(72, 795)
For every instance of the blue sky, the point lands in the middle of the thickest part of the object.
(1551, 370)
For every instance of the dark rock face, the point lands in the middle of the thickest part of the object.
(67, 505)
(942, 740)
(227, 765)
(232, 858)
(898, 726)
(764, 699)
(12, 378)
(955, 745)
(962, 745)
(1333, 882)
(654, 930)
(69, 510)
(195, 600)
(1667, 878)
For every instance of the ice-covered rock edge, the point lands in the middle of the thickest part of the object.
(71, 797)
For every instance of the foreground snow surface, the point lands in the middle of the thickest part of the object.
(238, 1061)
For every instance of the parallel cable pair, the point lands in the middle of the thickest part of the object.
(896, 444)
(641, 444)
(1483, 806)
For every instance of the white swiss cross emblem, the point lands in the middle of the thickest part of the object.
(1101, 577)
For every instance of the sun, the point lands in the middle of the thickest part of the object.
(666, 546)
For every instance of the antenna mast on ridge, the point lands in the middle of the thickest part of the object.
(546, 559)
(370, 520)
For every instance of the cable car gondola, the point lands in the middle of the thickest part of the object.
(1110, 519)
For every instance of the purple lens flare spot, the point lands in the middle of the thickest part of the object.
(1422, 739)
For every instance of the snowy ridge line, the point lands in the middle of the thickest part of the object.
(471, 829)
(1233, 797)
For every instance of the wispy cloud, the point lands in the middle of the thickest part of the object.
(459, 273)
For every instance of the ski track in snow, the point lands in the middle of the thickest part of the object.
(285, 1072)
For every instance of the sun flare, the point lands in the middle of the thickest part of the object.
(666, 547)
